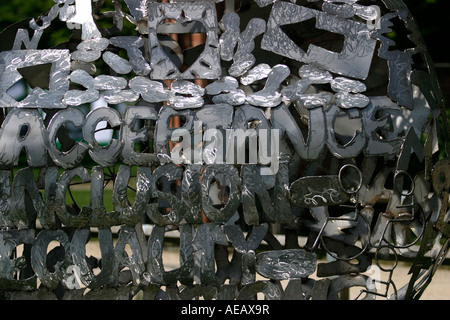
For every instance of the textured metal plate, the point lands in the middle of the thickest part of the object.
(279, 137)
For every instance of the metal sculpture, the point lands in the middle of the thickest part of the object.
(291, 120)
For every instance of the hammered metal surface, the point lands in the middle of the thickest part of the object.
(290, 132)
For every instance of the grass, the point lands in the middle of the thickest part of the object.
(81, 195)
(82, 198)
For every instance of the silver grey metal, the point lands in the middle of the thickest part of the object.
(256, 73)
(187, 95)
(354, 60)
(317, 192)
(286, 152)
(228, 40)
(58, 84)
(120, 96)
(104, 82)
(234, 98)
(118, 64)
(133, 47)
(207, 66)
(83, 16)
(105, 156)
(33, 140)
(314, 74)
(150, 91)
(243, 60)
(225, 84)
(72, 157)
(286, 264)
(270, 96)
(399, 62)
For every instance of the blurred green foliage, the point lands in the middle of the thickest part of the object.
(12, 11)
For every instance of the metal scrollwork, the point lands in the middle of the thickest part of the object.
(283, 123)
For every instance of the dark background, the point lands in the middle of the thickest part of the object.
(432, 17)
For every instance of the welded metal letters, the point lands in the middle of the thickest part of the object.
(285, 135)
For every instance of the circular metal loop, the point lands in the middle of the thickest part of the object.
(351, 190)
(367, 235)
(378, 262)
(396, 188)
(418, 237)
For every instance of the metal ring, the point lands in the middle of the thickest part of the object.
(410, 178)
(387, 241)
(368, 235)
(350, 191)
(377, 260)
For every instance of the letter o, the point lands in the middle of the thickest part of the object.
(230, 172)
(104, 156)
